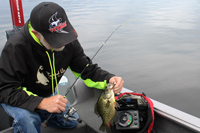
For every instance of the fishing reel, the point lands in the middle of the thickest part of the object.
(67, 116)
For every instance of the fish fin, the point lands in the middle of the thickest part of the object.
(108, 129)
(104, 128)
(96, 110)
(114, 119)
(108, 104)
(117, 105)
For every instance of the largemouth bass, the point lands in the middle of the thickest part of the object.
(105, 108)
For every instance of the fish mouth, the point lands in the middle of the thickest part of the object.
(110, 88)
(113, 85)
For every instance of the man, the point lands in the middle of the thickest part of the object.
(32, 63)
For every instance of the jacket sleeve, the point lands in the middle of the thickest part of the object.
(93, 75)
(12, 74)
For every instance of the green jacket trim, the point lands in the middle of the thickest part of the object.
(99, 85)
(30, 28)
(28, 92)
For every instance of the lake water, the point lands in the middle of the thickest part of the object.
(158, 53)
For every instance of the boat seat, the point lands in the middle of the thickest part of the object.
(5, 120)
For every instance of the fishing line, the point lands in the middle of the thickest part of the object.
(97, 53)
(44, 124)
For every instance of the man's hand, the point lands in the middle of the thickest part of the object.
(53, 104)
(118, 83)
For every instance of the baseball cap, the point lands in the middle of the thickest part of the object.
(51, 21)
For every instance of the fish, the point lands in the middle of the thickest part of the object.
(105, 108)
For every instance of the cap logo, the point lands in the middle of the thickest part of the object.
(56, 25)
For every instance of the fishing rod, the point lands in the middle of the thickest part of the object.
(96, 54)
(71, 110)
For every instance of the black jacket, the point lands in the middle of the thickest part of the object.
(25, 72)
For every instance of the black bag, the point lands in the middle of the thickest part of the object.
(135, 114)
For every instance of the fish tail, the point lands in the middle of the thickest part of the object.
(104, 128)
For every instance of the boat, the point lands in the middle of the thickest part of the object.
(167, 119)
(83, 99)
